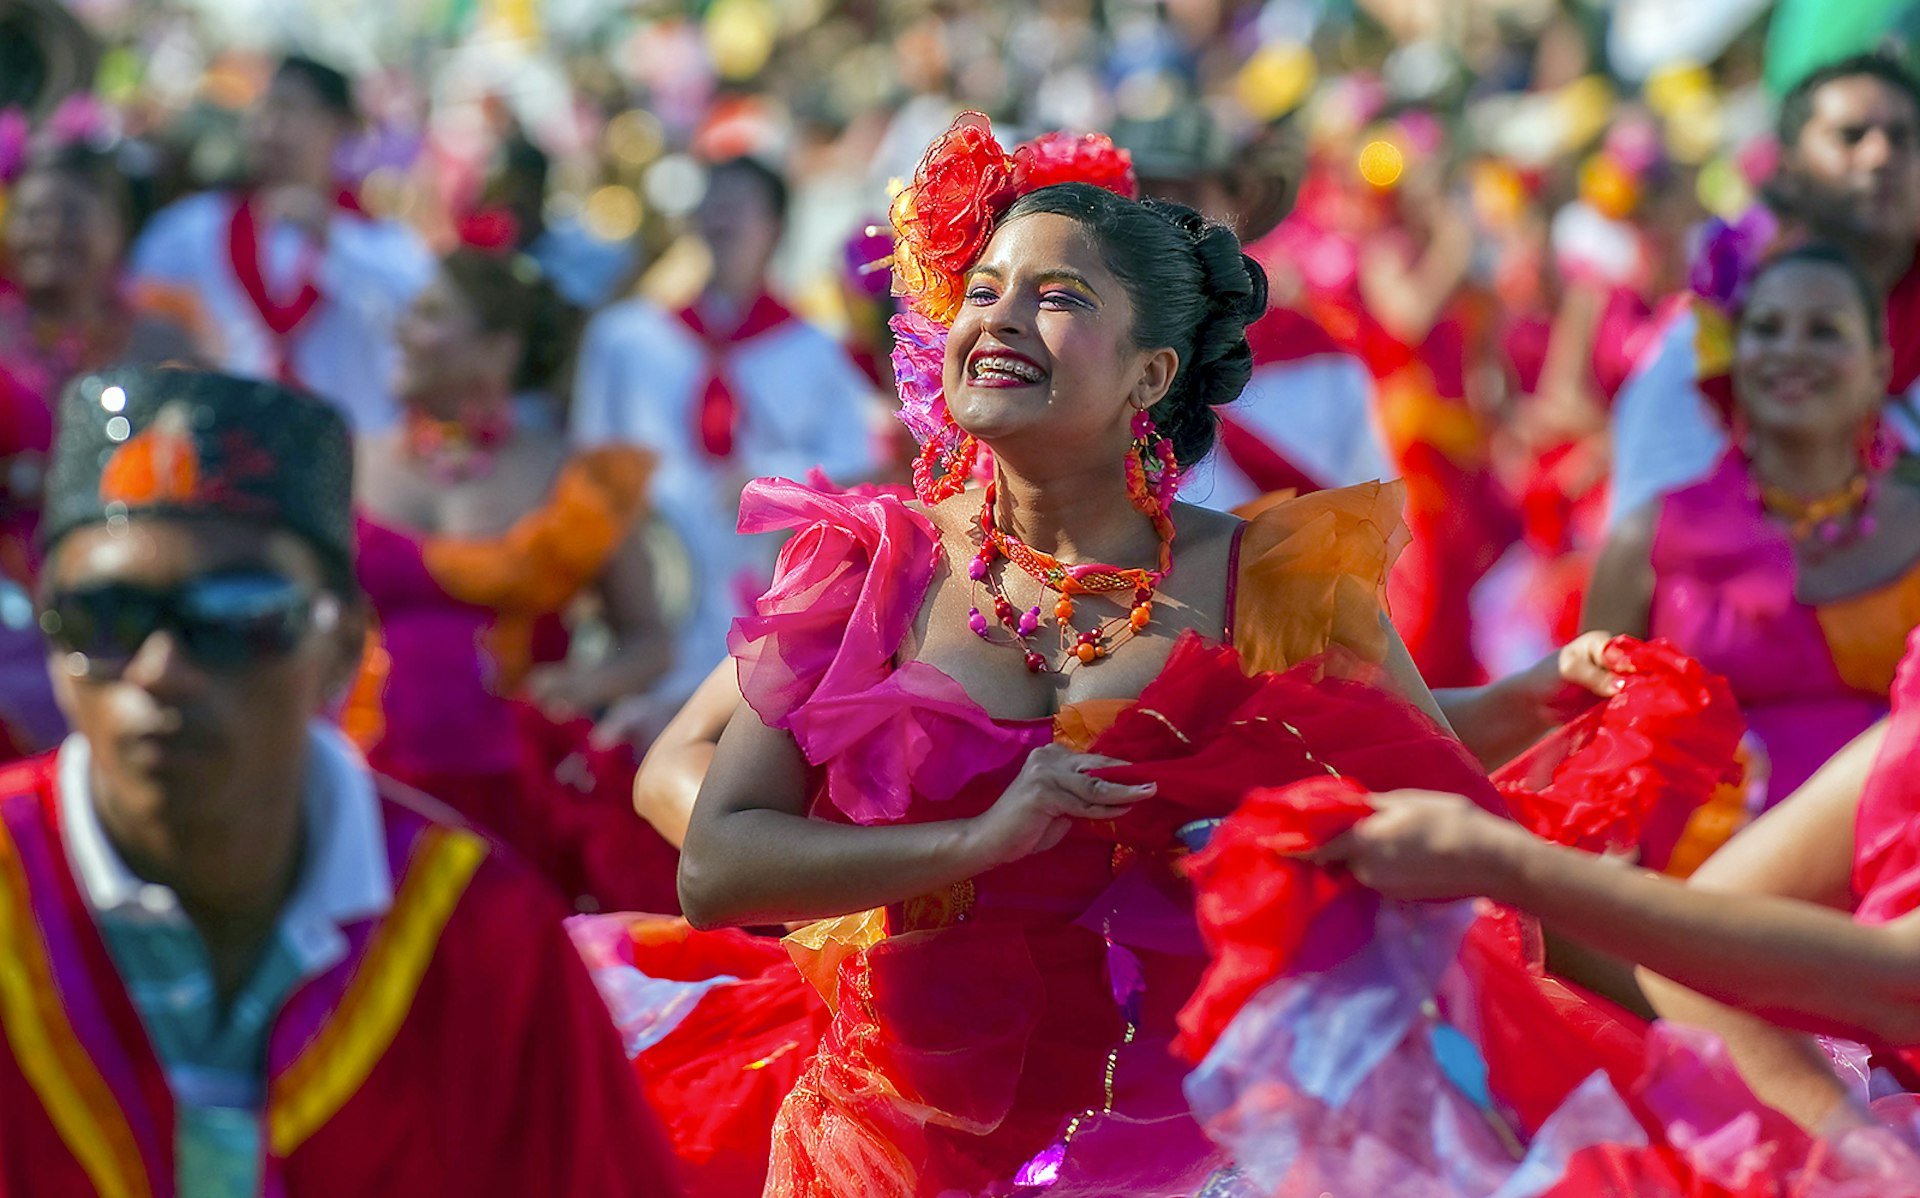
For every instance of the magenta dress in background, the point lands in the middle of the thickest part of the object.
(1808, 677)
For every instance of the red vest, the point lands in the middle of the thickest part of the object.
(459, 1048)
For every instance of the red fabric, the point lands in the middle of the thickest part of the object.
(1255, 912)
(1205, 732)
(1630, 771)
(1208, 734)
(1541, 1036)
(719, 1077)
(1265, 467)
(504, 1079)
(717, 413)
(585, 835)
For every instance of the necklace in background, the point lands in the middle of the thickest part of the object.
(1837, 516)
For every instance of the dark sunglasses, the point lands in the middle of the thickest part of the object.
(223, 621)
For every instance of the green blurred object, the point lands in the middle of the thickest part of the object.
(1808, 34)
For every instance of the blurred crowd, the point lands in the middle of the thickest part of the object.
(576, 271)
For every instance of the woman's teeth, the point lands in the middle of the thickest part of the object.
(1007, 368)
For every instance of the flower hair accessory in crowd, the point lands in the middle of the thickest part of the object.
(964, 184)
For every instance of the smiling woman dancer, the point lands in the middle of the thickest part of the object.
(1793, 569)
(942, 695)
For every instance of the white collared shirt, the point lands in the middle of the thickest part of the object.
(343, 877)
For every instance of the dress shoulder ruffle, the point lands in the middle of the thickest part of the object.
(1313, 575)
(816, 655)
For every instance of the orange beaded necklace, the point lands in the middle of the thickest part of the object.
(1067, 581)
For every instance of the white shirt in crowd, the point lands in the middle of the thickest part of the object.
(802, 403)
(367, 275)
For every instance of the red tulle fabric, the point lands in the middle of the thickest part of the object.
(1629, 772)
(1256, 905)
(718, 1078)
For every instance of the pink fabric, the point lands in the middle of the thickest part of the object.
(1886, 865)
(1724, 579)
(816, 658)
(440, 710)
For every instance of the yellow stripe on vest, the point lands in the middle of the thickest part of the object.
(77, 1100)
(362, 1028)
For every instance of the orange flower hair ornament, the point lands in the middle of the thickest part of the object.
(964, 184)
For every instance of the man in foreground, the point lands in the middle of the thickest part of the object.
(230, 963)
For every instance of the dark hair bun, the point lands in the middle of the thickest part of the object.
(1218, 367)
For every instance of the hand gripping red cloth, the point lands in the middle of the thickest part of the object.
(1629, 772)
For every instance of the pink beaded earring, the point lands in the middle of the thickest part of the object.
(1153, 474)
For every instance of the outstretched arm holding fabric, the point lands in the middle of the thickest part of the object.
(1497, 722)
(1785, 960)
(1802, 849)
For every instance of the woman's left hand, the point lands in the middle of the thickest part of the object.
(1424, 845)
(1562, 685)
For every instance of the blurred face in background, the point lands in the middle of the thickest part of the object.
(62, 236)
(739, 223)
(1855, 167)
(1807, 364)
(292, 136)
(446, 355)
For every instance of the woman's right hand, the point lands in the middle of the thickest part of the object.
(1053, 789)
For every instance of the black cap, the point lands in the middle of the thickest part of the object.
(168, 441)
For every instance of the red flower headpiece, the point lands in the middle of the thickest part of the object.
(964, 184)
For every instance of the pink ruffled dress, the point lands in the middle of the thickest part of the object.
(1011, 1034)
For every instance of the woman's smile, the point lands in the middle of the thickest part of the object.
(996, 366)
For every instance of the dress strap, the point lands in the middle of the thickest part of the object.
(1233, 580)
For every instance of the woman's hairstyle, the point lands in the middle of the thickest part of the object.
(1193, 291)
(1820, 253)
(98, 171)
(509, 294)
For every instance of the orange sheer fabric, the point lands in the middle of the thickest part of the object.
(1313, 574)
(1867, 633)
(533, 569)
(549, 555)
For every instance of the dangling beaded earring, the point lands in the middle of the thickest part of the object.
(943, 467)
(1153, 474)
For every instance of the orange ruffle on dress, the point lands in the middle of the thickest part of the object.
(550, 555)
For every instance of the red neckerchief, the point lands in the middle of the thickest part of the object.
(283, 320)
(717, 415)
(1265, 467)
